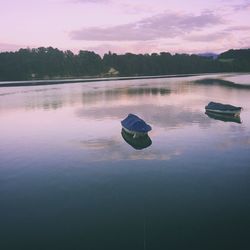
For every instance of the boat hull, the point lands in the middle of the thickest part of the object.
(223, 117)
(134, 133)
(225, 112)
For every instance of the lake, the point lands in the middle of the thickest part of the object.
(69, 180)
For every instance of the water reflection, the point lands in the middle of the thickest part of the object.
(97, 95)
(222, 82)
(114, 149)
(138, 143)
(167, 116)
(64, 157)
(149, 91)
(224, 118)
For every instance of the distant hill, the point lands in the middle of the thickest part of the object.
(238, 59)
(239, 54)
(52, 63)
(209, 55)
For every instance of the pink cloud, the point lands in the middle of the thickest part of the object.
(90, 1)
(10, 47)
(159, 26)
(141, 26)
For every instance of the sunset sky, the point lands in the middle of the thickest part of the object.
(138, 26)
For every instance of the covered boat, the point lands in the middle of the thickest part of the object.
(134, 125)
(220, 108)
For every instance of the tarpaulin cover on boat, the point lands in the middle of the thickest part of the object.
(136, 124)
(219, 106)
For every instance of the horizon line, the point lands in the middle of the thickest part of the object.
(149, 53)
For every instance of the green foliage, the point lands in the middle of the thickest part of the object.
(42, 63)
(239, 59)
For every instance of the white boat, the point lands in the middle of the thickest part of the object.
(223, 109)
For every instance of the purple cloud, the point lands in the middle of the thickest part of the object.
(222, 34)
(165, 25)
(242, 7)
(238, 28)
(207, 37)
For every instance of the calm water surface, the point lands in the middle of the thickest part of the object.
(68, 179)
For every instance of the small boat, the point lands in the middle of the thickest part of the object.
(134, 125)
(224, 118)
(137, 143)
(225, 109)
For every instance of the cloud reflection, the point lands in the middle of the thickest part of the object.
(115, 149)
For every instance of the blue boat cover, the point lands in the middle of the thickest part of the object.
(136, 124)
(223, 107)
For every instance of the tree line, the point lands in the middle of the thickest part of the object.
(49, 63)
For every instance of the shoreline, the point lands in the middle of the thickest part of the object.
(83, 80)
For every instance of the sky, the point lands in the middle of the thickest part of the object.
(120, 26)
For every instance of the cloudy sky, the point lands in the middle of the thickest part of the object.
(138, 26)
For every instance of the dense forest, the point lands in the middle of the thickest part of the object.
(51, 63)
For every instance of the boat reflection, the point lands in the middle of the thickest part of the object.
(138, 143)
(223, 117)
